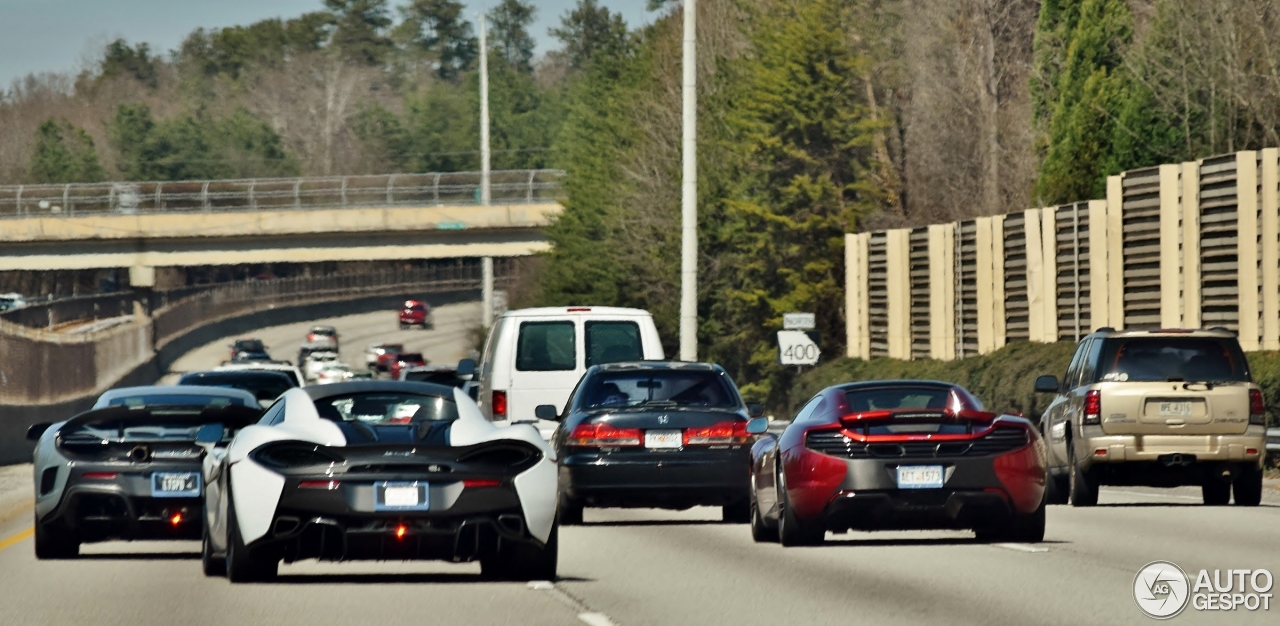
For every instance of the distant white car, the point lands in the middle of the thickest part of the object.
(317, 361)
(10, 301)
(267, 366)
(335, 373)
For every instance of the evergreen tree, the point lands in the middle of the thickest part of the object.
(121, 59)
(437, 31)
(359, 32)
(64, 154)
(509, 33)
(188, 147)
(590, 30)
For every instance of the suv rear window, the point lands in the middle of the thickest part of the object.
(546, 347)
(610, 342)
(1191, 359)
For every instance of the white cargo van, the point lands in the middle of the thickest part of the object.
(536, 356)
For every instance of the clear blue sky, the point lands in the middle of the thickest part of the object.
(59, 35)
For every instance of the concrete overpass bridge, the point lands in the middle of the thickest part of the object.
(143, 226)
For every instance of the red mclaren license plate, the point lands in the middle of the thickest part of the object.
(920, 476)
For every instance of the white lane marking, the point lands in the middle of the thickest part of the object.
(1154, 495)
(1020, 547)
(596, 619)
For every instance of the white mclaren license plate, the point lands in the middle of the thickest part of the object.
(920, 477)
(663, 438)
(175, 484)
(1175, 409)
(401, 496)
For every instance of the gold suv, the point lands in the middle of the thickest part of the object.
(1161, 408)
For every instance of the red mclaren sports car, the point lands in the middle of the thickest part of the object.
(898, 455)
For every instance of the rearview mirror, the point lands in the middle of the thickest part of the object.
(758, 426)
(466, 368)
(1047, 384)
(755, 409)
(546, 412)
(35, 431)
(209, 435)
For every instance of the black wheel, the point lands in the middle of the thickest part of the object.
(212, 565)
(242, 565)
(1248, 486)
(736, 513)
(761, 532)
(793, 531)
(1021, 528)
(570, 512)
(1083, 486)
(1057, 489)
(524, 561)
(1216, 492)
(55, 543)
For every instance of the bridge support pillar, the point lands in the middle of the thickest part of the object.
(486, 289)
(142, 276)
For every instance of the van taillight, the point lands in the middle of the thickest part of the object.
(603, 435)
(499, 404)
(721, 433)
(1257, 408)
(1093, 407)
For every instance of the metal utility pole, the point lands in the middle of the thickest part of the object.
(486, 281)
(689, 199)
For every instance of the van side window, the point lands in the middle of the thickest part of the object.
(546, 347)
(610, 342)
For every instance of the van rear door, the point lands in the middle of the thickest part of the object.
(548, 358)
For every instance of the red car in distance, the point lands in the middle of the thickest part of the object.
(416, 313)
(898, 455)
(403, 360)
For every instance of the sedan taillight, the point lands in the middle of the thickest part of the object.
(721, 433)
(603, 435)
(1093, 407)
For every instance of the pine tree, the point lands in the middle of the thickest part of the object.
(360, 29)
(64, 154)
(590, 30)
(437, 31)
(510, 36)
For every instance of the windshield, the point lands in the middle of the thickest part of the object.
(387, 408)
(658, 388)
(250, 345)
(1150, 359)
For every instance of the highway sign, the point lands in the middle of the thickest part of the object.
(798, 321)
(795, 347)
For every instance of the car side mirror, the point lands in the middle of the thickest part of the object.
(466, 368)
(1047, 384)
(755, 409)
(546, 412)
(209, 435)
(758, 426)
(35, 431)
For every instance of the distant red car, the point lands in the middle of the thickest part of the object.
(403, 360)
(416, 313)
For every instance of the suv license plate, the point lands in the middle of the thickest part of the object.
(920, 477)
(1175, 409)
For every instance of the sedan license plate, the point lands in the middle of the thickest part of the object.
(1175, 409)
(175, 484)
(663, 438)
(401, 496)
(920, 477)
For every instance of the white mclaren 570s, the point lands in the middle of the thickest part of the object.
(379, 470)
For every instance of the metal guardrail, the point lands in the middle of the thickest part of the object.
(384, 190)
(1273, 445)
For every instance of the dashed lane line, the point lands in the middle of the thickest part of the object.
(585, 614)
(1020, 547)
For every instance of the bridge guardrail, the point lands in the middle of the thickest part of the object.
(50, 314)
(383, 190)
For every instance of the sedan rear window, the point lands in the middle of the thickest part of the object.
(657, 388)
(1159, 359)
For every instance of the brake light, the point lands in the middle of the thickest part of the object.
(100, 475)
(327, 485)
(1257, 408)
(1093, 407)
(603, 435)
(721, 433)
(480, 482)
(578, 309)
(499, 404)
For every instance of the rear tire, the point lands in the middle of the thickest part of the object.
(793, 531)
(1057, 490)
(737, 513)
(1215, 492)
(242, 565)
(1248, 487)
(1083, 486)
(55, 543)
(524, 561)
(211, 565)
(570, 512)
(761, 532)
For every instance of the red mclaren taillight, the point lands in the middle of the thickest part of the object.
(721, 433)
(603, 435)
(100, 475)
(1257, 408)
(327, 485)
(476, 483)
(1093, 407)
(499, 404)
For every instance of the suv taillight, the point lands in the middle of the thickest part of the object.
(1093, 407)
(603, 435)
(1257, 408)
(499, 404)
(721, 433)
